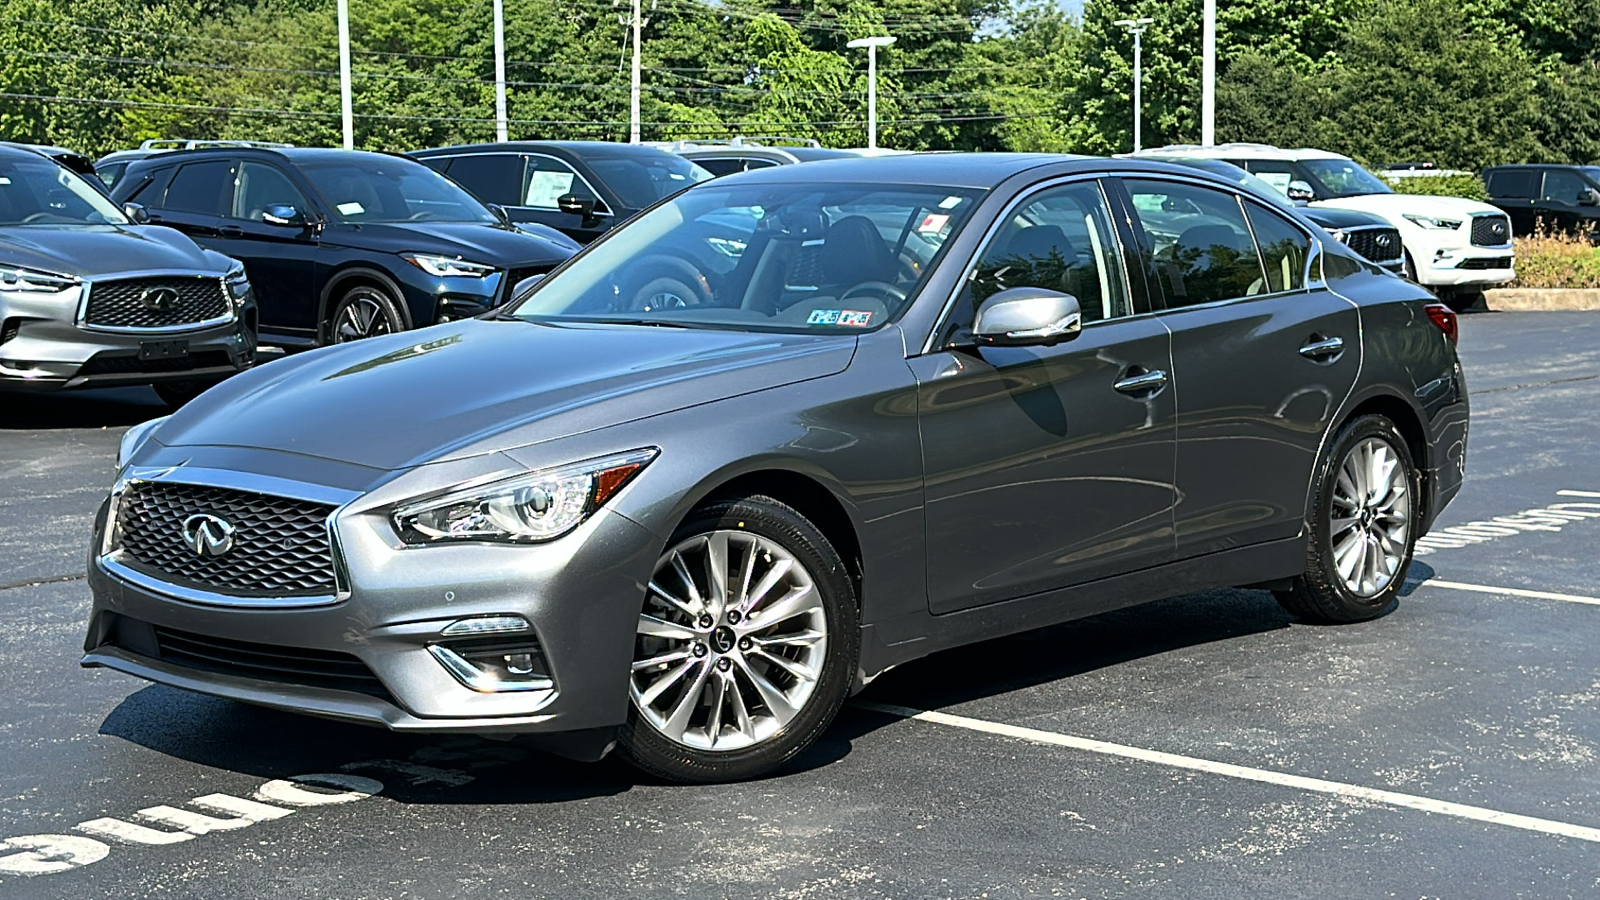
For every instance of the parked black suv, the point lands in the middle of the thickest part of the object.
(582, 188)
(341, 244)
(1564, 198)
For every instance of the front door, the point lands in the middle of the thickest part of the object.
(1265, 358)
(1047, 466)
(280, 260)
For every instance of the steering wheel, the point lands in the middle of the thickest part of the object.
(37, 217)
(882, 289)
(420, 216)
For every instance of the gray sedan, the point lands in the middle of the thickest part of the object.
(914, 403)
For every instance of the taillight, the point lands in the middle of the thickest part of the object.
(1444, 317)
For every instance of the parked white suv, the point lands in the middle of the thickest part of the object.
(1451, 243)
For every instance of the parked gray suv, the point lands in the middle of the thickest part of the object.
(89, 297)
(923, 401)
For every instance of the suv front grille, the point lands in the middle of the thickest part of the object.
(280, 545)
(1491, 231)
(268, 662)
(1379, 245)
(168, 301)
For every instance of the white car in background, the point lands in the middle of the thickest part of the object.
(1452, 244)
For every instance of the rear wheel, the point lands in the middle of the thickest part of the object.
(1363, 527)
(745, 648)
(364, 311)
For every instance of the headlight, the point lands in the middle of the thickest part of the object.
(538, 506)
(238, 284)
(134, 438)
(727, 246)
(16, 278)
(1339, 235)
(1433, 223)
(446, 267)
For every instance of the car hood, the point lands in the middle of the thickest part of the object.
(1342, 218)
(89, 251)
(492, 245)
(1393, 206)
(480, 386)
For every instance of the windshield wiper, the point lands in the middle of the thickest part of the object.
(651, 323)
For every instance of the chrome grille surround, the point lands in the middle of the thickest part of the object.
(118, 305)
(1491, 230)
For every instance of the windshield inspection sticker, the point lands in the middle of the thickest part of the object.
(823, 317)
(854, 318)
(933, 223)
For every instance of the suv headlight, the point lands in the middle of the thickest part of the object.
(134, 438)
(16, 278)
(538, 506)
(1433, 223)
(238, 283)
(447, 267)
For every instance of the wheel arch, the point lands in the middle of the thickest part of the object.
(353, 276)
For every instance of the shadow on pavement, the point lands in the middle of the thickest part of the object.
(80, 409)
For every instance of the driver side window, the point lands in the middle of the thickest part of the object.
(260, 186)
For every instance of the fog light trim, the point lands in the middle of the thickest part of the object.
(479, 626)
(483, 682)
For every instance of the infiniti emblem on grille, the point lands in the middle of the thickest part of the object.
(207, 535)
(1383, 240)
(1498, 229)
(158, 299)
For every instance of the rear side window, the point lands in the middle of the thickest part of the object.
(1202, 246)
(1284, 248)
(491, 177)
(1513, 184)
(720, 165)
(202, 187)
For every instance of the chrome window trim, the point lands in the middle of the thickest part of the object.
(1005, 216)
(109, 557)
(81, 319)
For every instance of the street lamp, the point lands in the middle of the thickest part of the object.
(872, 44)
(1136, 28)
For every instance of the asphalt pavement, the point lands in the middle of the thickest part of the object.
(1203, 746)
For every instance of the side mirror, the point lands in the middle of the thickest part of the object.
(1590, 197)
(1301, 192)
(574, 205)
(136, 213)
(524, 287)
(283, 214)
(1027, 316)
(499, 213)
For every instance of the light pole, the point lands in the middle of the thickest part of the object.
(346, 110)
(872, 44)
(501, 133)
(1136, 28)
(1208, 75)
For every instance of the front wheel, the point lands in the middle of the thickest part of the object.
(364, 311)
(1363, 526)
(746, 645)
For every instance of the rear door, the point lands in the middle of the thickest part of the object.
(280, 260)
(549, 179)
(1264, 354)
(1047, 466)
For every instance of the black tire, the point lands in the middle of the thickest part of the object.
(665, 292)
(176, 393)
(646, 747)
(1409, 268)
(363, 311)
(1322, 595)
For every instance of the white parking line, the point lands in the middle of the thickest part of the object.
(1509, 592)
(1247, 773)
(1579, 493)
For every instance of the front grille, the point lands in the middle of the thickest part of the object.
(164, 302)
(1486, 262)
(1380, 245)
(280, 545)
(268, 662)
(1491, 231)
(131, 364)
(516, 276)
(9, 329)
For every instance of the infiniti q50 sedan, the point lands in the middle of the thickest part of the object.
(918, 401)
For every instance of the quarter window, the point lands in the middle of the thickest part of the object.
(1284, 248)
(1202, 246)
(202, 187)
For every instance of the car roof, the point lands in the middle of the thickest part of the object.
(291, 155)
(590, 149)
(1239, 151)
(974, 170)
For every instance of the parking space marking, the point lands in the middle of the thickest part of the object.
(1579, 493)
(1510, 592)
(1545, 518)
(1247, 773)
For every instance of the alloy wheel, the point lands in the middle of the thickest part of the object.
(362, 316)
(1370, 517)
(731, 642)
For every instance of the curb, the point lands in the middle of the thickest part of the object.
(1518, 299)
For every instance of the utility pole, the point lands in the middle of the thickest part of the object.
(1136, 28)
(871, 44)
(346, 107)
(500, 131)
(637, 21)
(1208, 77)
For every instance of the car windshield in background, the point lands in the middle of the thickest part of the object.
(1344, 178)
(369, 191)
(39, 192)
(642, 181)
(1233, 173)
(1592, 171)
(795, 258)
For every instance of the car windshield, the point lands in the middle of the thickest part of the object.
(37, 191)
(1592, 171)
(1343, 178)
(642, 180)
(796, 258)
(373, 189)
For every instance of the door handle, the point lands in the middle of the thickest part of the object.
(231, 231)
(1323, 348)
(1139, 380)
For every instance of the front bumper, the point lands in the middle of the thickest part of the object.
(581, 594)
